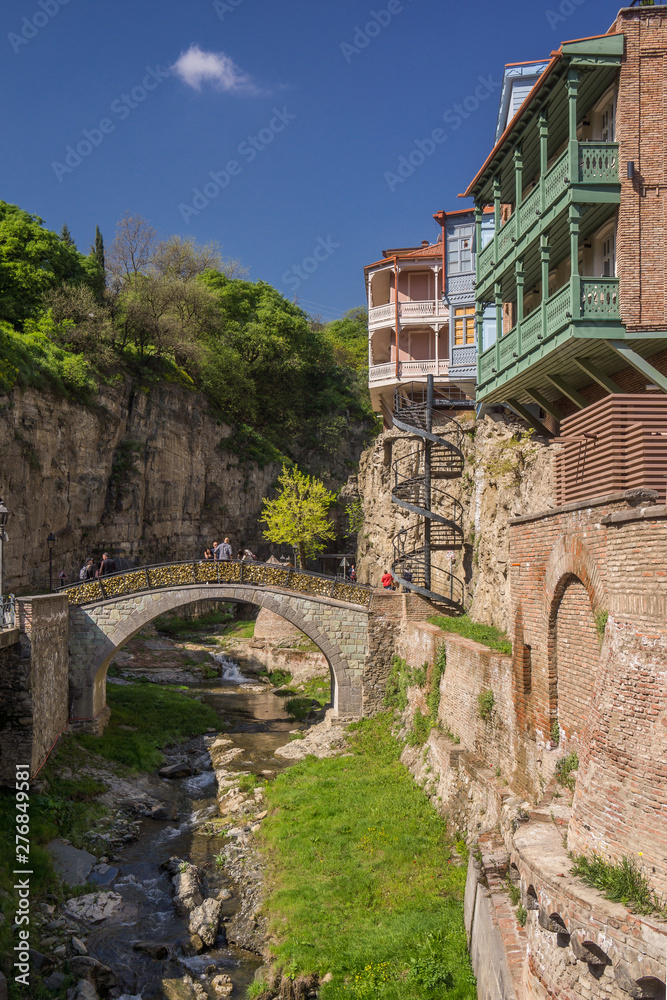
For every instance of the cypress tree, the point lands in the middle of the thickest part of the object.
(99, 248)
(66, 237)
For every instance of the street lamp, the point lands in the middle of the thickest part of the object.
(4, 514)
(50, 540)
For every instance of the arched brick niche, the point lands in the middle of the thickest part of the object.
(620, 799)
(574, 662)
(574, 592)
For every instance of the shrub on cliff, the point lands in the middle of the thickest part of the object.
(173, 310)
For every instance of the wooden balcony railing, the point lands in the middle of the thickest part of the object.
(408, 369)
(598, 301)
(426, 309)
(597, 164)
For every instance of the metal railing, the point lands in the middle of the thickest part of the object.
(163, 576)
(7, 611)
(438, 455)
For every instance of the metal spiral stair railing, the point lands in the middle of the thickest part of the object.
(440, 527)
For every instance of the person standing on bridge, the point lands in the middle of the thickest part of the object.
(223, 552)
(108, 565)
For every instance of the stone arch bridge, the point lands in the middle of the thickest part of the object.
(343, 619)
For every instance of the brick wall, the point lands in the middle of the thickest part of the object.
(641, 131)
(610, 699)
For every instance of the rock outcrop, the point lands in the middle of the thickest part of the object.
(508, 472)
(144, 471)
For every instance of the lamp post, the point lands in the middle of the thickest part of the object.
(4, 514)
(50, 540)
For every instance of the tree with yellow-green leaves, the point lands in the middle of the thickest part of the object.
(299, 515)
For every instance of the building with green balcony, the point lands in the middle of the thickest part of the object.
(568, 184)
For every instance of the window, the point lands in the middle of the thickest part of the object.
(603, 118)
(464, 325)
(607, 129)
(608, 257)
(459, 250)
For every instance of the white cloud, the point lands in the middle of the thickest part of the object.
(195, 67)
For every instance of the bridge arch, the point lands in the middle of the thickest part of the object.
(98, 631)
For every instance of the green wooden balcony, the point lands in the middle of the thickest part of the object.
(586, 173)
(583, 308)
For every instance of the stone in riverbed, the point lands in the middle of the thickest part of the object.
(79, 946)
(73, 866)
(84, 990)
(53, 982)
(204, 921)
(196, 943)
(94, 907)
(179, 770)
(222, 985)
(187, 882)
(161, 811)
(156, 949)
(90, 969)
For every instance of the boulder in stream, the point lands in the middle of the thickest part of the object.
(84, 990)
(93, 971)
(181, 769)
(205, 920)
(94, 907)
(222, 985)
(187, 882)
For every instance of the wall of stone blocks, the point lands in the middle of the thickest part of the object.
(273, 628)
(33, 684)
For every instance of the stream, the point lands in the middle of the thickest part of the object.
(256, 721)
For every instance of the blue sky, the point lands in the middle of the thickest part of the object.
(301, 108)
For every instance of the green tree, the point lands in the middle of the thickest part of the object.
(299, 515)
(32, 261)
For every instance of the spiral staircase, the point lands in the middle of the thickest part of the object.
(439, 528)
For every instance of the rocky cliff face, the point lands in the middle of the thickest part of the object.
(508, 473)
(142, 472)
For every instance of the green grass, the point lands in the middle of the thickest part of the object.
(279, 678)
(623, 883)
(164, 716)
(240, 630)
(486, 634)
(363, 881)
(485, 702)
